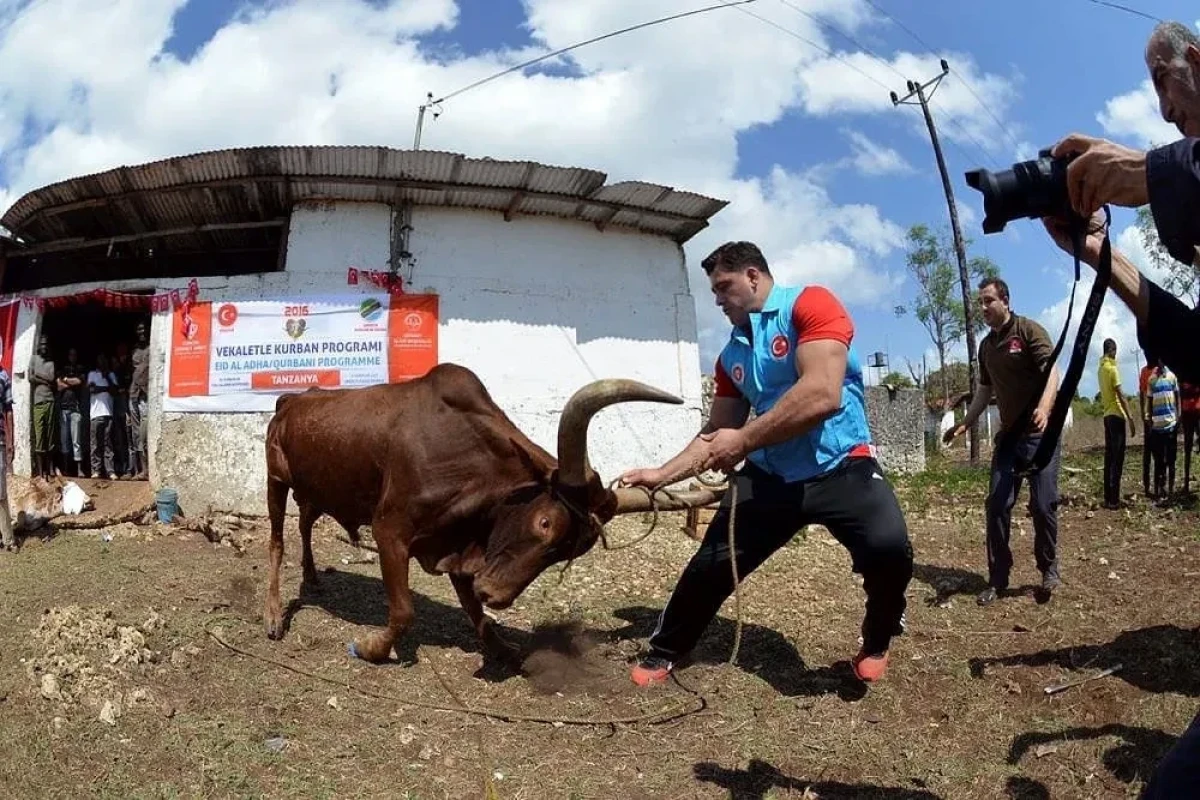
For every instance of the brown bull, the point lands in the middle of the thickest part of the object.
(442, 475)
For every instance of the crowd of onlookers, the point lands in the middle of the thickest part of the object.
(1167, 407)
(89, 420)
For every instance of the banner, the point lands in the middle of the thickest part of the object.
(8, 333)
(230, 356)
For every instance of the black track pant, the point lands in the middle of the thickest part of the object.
(854, 501)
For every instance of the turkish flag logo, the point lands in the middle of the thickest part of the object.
(227, 315)
(779, 346)
(738, 373)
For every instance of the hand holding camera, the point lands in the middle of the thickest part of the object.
(1061, 231)
(1101, 172)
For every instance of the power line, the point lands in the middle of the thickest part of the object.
(933, 52)
(841, 33)
(988, 155)
(814, 45)
(1120, 7)
(431, 102)
(906, 29)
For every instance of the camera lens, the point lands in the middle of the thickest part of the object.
(1032, 189)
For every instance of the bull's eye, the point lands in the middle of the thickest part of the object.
(544, 522)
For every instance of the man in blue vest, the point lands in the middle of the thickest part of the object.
(809, 459)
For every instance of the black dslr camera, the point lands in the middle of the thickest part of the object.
(1032, 189)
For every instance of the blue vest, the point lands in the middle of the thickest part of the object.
(763, 368)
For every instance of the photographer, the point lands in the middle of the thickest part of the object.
(1168, 178)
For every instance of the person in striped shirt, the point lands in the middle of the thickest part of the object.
(1163, 390)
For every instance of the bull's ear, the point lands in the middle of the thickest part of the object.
(537, 471)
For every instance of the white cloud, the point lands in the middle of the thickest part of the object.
(662, 104)
(968, 218)
(871, 158)
(830, 87)
(1135, 116)
(1116, 321)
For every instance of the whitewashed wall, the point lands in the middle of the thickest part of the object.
(537, 307)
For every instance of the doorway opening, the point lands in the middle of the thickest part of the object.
(81, 337)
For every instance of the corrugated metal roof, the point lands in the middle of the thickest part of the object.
(262, 183)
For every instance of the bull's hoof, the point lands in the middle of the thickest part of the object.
(274, 630)
(370, 650)
(496, 645)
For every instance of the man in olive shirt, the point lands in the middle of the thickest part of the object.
(138, 400)
(1012, 358)
(42, 379)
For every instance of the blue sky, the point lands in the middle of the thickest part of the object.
(820, 169)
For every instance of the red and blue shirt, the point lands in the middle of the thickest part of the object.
(758, 363)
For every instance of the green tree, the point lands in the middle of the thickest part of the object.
(952, 380)
(938, 303)
(1181, 279)
(899, 380)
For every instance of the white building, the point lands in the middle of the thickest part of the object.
(538, 278)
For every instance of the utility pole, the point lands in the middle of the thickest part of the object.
(959, 247)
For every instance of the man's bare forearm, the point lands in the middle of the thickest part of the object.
(1050, 392)
(685, 462)
(979, 404)
(802, 407)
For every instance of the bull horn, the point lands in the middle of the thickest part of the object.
(632, 501)
(574, 469)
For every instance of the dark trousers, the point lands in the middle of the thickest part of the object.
(1162, 450)
(1190, 422)
(1178, 774)
(1043, 496)
(1146, 447)
(854, 501)
(120, 435)
(1114, 458)
(102, 446)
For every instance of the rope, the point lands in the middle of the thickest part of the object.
(698, 474)
(668, 714)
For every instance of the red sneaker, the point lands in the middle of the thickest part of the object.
(870, 668)
(650, 670)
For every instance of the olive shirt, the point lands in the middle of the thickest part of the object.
(140, 380)
(1011, 361)
(43, 370)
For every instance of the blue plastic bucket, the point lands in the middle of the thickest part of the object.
(167, 501)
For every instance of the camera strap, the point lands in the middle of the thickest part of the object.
(1079, 354)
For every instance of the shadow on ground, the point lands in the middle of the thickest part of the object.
(359, 600)
(1132, 760)
(764, 653)
(759, 778)
(1157, 659)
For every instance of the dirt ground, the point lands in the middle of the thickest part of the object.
(112, 681)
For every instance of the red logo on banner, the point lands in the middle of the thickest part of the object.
(227, 314)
